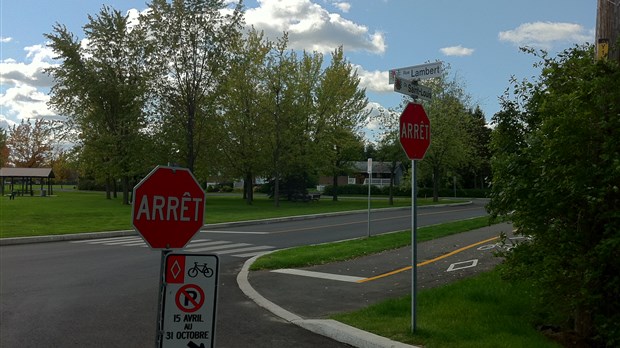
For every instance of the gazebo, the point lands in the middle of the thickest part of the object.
(21, 180)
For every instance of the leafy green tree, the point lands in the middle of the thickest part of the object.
(556, 175)
(192, 41)
(278, 104)
(390, 149)
(477, 170)
(241, 124)
(341, 113)
(450, 141)
(102, 88)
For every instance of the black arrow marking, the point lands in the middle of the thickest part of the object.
(191, 344)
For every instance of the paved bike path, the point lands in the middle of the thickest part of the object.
(308, 298)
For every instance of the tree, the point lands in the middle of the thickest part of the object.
(241, 123)
(341, 112)
(477, 170)
(390, 149)
(4, 150)
(278, 108)
(102, 87)
(450, 142)
(30, 143)
(192, 40)
(556, 169)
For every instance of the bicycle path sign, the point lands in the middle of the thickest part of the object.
(188, 307)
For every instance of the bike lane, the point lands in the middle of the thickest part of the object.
(320, 291)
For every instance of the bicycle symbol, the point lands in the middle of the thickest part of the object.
(206, 271)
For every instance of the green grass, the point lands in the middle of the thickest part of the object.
(333, 252)
(483, 311)
(77, 211)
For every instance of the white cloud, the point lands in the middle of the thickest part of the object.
(374, 81)
(312, 27)
(13, 73)
(457, 51)
(343, 6)
(23, 102)
(545, 34)
(5, 39)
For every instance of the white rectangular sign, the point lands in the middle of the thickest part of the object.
(413, 89)
(187, 317)
(417, 72)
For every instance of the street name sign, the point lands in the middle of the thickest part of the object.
(168, 207)
(412, 88)
(417, 72)
(414, 131)
(188, 307)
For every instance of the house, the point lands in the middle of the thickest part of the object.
(359, 175)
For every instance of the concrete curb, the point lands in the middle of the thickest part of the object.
(123, 233)
(325, 327)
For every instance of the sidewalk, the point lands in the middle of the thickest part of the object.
(308, 298)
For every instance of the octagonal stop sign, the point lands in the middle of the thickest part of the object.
(168, 207)
(414, 131)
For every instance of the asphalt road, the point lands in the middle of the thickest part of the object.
(103, 293)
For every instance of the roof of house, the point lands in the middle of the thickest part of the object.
(377, 167)
(27, 172)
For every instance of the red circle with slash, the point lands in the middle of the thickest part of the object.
(190, 298)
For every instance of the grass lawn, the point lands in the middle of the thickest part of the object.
(479, 312)
(333, 252)
(77, 211)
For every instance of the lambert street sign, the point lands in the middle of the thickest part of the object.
(416, 72)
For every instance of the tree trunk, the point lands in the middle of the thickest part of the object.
(335, 188)
(435, 183)
(276, 191)
(391, 198)
(108, 194)
(125, 187)
(248, 188)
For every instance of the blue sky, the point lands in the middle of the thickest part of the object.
(479, 39)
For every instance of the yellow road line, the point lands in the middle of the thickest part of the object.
(427, 261)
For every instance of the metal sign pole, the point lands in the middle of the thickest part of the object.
(369, 183)
(162, 274)
(414, 245)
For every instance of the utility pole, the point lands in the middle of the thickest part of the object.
(608, 29)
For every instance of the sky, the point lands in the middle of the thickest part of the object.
(478, 39)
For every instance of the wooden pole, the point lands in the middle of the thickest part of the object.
(608, 29)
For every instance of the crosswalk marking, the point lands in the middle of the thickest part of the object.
(219, 247)
(222, 247)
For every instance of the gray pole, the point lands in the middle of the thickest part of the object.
(369, 183)
(414, 245)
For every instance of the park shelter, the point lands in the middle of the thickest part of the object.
(22, 180)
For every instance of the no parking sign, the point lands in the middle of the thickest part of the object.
(188, 310)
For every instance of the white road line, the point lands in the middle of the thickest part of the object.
(219, 247)
(134, 244)
(250, 254)
(123, 242)
(209, 244)
(321, 275)
(205, 243)
(240, 250)
(233, 232)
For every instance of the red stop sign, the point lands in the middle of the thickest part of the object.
(168, 207)
(414, 131)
